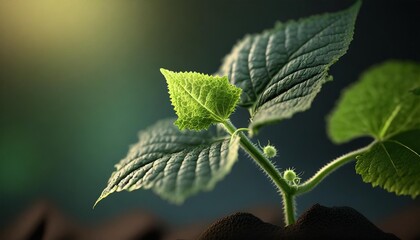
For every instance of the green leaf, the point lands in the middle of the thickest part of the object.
(174, 164)
(281, 70)
(199, 99)
(382, 105)
(393, 164)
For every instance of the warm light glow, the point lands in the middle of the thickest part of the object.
(78, 31)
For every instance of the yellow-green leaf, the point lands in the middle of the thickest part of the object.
(199, 99)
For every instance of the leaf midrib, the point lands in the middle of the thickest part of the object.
(217, 117)
(389, 120)
(291, 57)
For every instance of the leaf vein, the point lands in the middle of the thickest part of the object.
(403, 145)
(389, 157)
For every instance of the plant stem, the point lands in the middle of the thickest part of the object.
(328, 169)
(267, 166)
(287, 191)
(289, 208)
(259, 157)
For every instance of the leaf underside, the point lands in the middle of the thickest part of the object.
(200, 100)
(382, 105)
(174, 164)
(281, 70)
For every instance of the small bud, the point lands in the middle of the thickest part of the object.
(289, 175)
(270, 151)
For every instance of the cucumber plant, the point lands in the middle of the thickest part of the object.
(276, 74)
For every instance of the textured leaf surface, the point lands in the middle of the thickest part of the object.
(199, 99)
(175, 164)
(282, 70)
(393, 164)
(382, 105)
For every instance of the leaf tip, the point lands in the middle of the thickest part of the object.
(103, 195)
(356, 6)
(97, 201)
(358, 3)
(165, 72)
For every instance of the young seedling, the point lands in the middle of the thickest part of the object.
(276, 74)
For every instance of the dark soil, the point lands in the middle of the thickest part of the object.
(316, 223)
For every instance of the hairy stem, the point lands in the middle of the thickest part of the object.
(289, 208)
(287, 191)
(328, 169)
(267, 166)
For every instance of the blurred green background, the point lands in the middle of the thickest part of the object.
(79, 79)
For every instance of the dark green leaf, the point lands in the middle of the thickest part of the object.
(281, 70)
(175, 164)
